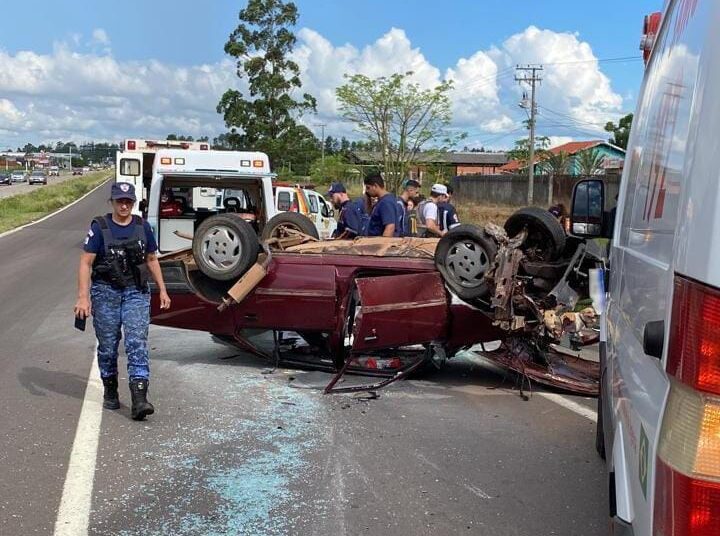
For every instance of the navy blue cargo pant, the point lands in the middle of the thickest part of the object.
(127, 309)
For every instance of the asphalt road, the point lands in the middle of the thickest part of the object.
(234, 450)
(23, 187)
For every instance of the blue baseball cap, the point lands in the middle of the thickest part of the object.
(123, 190)
(337, 188)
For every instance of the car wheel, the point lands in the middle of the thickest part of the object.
(546, 237)
(225, 246)
(279, 224)
(464, 256)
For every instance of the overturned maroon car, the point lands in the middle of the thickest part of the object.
(387, 298)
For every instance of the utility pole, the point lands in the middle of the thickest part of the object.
(530, 74)
(322, 144)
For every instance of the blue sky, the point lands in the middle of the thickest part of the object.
(185, 33)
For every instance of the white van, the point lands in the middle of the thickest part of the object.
(179, 176)
(135, 163)
(659, 408)
(308, 202)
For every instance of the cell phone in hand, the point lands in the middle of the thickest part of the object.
(80, 323)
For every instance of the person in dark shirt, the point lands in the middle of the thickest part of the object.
(352, 217)
(410, 190)
(384, 215)
(119, 250)
(447, 214)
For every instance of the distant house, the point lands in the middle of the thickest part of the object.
(613, 157)
(466, 163)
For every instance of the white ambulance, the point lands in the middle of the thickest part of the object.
(176, 174)
(659, 409)
(134, 164)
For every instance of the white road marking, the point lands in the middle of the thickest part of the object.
(74, 512)
(58, 211)
(573, 406)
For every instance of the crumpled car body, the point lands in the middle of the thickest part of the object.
(352, 298)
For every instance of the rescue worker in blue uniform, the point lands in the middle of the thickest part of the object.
(119, 252)
(352, 218)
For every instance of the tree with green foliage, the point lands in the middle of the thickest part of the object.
(521, 151)
(265, 120)
(589, 162)
(335, 168)
(555, 163)
(621, 131)
(399, 117)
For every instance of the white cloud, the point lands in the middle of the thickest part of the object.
(100, 36)
(557, 141)
(89, 94)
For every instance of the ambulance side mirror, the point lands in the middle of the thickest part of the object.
(588, 205)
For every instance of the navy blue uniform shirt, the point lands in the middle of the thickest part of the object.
(384, 213)
(353, 218)
(447, 216)
(94, 242)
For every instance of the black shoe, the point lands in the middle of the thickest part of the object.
(141, 408)
(111, 400)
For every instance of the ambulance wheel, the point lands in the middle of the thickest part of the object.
(279, 224)
(225, 247)
(463, 257)
(546, 237)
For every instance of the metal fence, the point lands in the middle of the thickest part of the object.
(512, 190)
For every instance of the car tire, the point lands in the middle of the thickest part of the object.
(463, 257)
(545, 234)
(225, 247)
(291, 220)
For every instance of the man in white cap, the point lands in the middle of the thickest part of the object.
(428, 212)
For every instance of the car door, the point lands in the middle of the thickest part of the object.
(327, 218)
(399, 310)
(314, 210)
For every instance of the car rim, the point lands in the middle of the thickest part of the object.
(467, 263)
(221, 248)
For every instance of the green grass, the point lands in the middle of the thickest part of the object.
(25, 208)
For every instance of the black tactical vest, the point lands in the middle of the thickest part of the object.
(123, 263)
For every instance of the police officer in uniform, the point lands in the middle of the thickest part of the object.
(119, 252)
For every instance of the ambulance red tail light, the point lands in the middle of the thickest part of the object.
(687, 485)
(204, 147)
(694, 356)
(131, 145)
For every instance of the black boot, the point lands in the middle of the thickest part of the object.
(141, 408)
(111, 400)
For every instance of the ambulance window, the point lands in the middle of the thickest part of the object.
(313, 203)
(284, 201)
(130, 167)
(660, 136)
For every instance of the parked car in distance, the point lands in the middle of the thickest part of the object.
(38, 177)
(54, 171)
(5, 178)
(18, 176)
(77, 171)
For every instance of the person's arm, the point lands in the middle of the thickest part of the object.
(154, 267)
(389, 230)
(433, 227)
(82, 307)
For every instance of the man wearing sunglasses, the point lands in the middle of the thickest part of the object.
(120, 250)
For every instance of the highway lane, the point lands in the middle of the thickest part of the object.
(233, 450)
(44, 364)
(23, 187)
